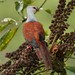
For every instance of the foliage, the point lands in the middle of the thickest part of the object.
(48, 11)
(3, 27)
(5, 39)
(20, 5)
(9, 34)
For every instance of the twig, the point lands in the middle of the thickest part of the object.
(54, 40)
(42, 4)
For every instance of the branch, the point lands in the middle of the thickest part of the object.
(42, 4)
(54, 40)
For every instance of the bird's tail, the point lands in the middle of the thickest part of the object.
(44, 55)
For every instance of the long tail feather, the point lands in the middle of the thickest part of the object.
(43, 54)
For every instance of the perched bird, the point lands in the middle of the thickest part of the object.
(35, 35)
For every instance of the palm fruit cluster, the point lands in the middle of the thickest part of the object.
(66, 48)
(22, 61)
(59, 24)
(62, 45)
(67, 43)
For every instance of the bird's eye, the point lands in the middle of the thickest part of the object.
(34, 7)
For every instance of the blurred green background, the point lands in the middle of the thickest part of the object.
(7, 9)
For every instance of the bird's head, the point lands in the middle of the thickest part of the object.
(32, 8)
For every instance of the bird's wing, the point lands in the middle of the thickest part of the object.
(33, 30)
(39, 31)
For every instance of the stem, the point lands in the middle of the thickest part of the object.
(54, 40)
(42, 4)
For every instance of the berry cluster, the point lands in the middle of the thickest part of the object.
(22, 61)
(59, 24)
(67, 43)
(4, 66)
(63, 50)
(65, 47)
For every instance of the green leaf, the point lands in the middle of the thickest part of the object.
(2, 27)
(7, 22)
(46, 33)
(6, 38)
(71, 68)
(48, 11)
(3, 37)
(19, 6)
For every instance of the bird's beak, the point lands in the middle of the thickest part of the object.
(37, 9)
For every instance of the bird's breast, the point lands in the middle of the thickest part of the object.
(31, 30)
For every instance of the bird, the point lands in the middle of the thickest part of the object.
(34, 34)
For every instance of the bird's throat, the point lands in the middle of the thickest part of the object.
(31, 16)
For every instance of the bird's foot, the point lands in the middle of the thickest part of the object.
(29, 47)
